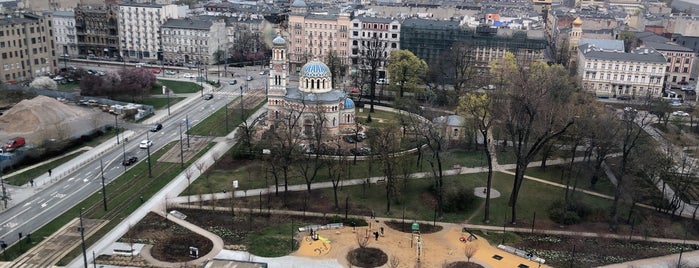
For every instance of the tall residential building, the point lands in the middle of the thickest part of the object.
(27, 47)
(605, 73)
(191, 40)
(313, 36)
(65, 34)
(371, 33)
(96, 28)
(139, 28)
(680, 61)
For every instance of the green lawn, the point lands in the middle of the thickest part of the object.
(215, 124)
(177, 87)
(553, 174)
(159, 102)
(70, 86)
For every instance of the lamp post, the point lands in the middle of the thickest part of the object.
(104, 189)
(123, 148)
(150, 172)
(116, 126)
(168, 101)
(181, 149)
(241, 102)
(186, 121)
(82, 237)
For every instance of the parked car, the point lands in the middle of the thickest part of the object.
(188, 75)
(263, 72)
(145, 144)
(130, 161)
(233, 82)
(156, 127)
(360, 136)
(249, 78)
(349, 139)
(208, 96)
(170, 72)
(680, 113)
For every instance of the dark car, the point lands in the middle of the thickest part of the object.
(156, 127)
(208, 96)
(349, 139)
(130, 161)
(233, 82)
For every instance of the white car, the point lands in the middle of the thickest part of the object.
(188, 75)
(680, 113)
(169, 72)
(145, 144)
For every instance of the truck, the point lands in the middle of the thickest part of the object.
(15, 143)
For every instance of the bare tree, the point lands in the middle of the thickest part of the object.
(385, 142)
(337, 67)
(283, 139)
(470, 250)
(362, 240)
(532, 110)
(311, 163)
(336, 169)
(188, 175)
(394, 262)
(373, 56)
(633, 124)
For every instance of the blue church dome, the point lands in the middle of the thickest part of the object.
(349, 104)
(278, 40)
(315, 68)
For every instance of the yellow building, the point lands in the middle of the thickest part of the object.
(26, 47)
(314, 35)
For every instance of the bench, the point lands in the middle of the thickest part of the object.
(380, 181)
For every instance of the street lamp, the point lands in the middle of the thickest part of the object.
(116, 126)
(82, 237)
(150, 173)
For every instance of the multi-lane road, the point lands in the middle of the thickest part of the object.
(60, 196)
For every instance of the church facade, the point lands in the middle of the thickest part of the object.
(313, 109)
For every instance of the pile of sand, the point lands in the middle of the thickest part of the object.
(43, 118)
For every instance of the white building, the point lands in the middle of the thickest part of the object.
(680, 61)
(191, 40)
(606, 73)
(368, 32)
(64, 33)
(139, 28)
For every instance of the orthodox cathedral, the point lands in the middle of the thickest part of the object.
(314, 103)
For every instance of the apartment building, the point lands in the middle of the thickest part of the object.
(27, 47)
(192, 40)
(604, 73)
(139, 28)
(97, 29)
(680, 61)
(314, 35)
(65, 33)
(373, 34)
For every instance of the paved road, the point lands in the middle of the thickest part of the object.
(32, 207)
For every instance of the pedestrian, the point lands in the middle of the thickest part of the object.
(381, 228)
(373, 215)
(376, 236)
(31, 182)
(49, 172)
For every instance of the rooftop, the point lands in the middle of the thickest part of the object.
(604, 44)
(334, 95)
(667, 46)
(188, 24)
(638, 55)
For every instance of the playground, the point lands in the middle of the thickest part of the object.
(436, 249)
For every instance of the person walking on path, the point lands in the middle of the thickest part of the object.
(373, 215)
(49, 172)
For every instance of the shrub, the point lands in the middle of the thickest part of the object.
(455, 199)
(574, 213)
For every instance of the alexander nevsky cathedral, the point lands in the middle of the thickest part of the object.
(313, 97)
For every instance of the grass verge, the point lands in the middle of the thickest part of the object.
(24, 177)
(215, 124)
(178, 87)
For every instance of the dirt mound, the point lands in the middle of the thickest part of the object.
(43, 118)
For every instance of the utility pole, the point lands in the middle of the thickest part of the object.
(241, 101)
(123, 148)
(82, 237)
(186, 121)
(226, 109)
(181, 149)
(4, 191)
(116, 125)
(104, 189)
(168, 101)
(150, 172)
